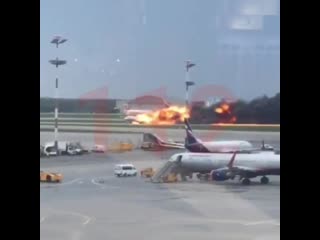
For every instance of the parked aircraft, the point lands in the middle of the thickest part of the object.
(194, 144)
(223, 166)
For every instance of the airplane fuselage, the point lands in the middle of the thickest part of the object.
(266, 163)
(219, 146)
(135, 112)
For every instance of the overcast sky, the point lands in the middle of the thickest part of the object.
(132, 47)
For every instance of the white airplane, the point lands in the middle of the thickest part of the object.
(194, 144)
(135, 112)
(153, 142)
(132, 113)
(223, 166)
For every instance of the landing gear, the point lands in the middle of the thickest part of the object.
(246, 181)
(203, 177)
(264, 180)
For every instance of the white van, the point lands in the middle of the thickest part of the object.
(98, 149)
(123, 170)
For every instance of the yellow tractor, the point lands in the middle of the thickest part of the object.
(121, 147)
(171, 178)
(50, 177)
(126, 146)
(147, 172)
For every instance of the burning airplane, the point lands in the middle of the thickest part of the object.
(166, 116)
(224, 113)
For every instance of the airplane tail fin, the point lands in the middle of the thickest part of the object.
(187, 125)
(190, 138)
(230, 164)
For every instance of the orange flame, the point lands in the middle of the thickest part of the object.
(166, 116)
(225, 109)
(219, 110)
(233, 119)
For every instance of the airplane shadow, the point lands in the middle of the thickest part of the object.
(237, 184)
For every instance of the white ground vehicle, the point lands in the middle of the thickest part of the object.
(64, 148)
(98, 149)
(124, 170)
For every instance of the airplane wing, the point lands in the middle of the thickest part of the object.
(161, 146)
(175, 146)
(242, 171)
(247, 151)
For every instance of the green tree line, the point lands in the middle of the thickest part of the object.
(261, 110)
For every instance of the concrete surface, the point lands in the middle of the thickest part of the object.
(92, 203)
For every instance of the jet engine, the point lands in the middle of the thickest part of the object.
(220, 175)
